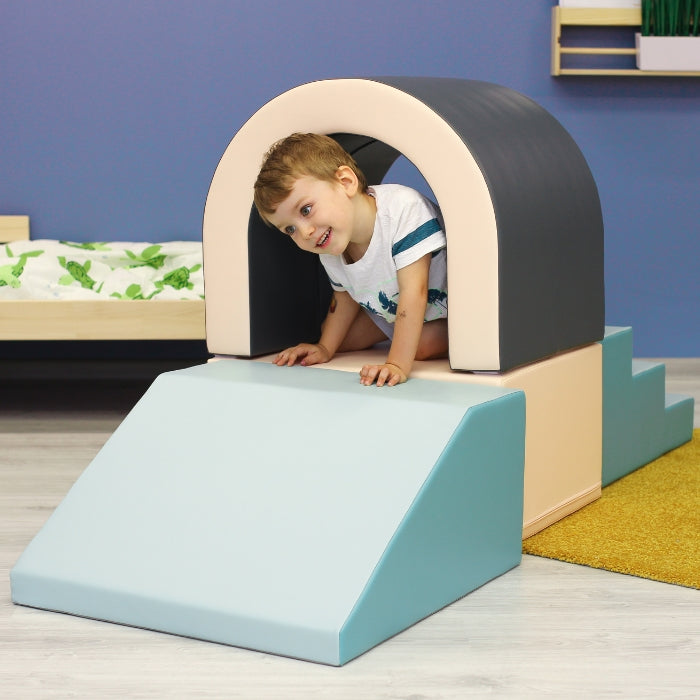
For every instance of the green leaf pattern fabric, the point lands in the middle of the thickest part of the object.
(49, 269)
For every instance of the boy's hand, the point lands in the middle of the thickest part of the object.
(306, 353)
(383, 374)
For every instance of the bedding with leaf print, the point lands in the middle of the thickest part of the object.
(48, 269)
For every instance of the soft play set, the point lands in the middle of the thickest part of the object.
(233, 504)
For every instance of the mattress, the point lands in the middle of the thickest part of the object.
(63, 270)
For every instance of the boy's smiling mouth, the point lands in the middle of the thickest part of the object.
(325, 239)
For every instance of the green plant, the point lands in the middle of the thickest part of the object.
(670, 17)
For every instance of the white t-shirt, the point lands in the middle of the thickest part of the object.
(407, 227)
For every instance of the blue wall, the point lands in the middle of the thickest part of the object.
(115, 114)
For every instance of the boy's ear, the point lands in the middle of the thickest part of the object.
(348, 179)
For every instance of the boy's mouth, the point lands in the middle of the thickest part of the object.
(325, 239)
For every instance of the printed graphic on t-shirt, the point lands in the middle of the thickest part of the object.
(436, 297)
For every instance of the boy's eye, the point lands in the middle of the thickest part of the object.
(289, 230)
(305, 210)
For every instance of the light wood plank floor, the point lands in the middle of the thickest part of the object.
(544, 629)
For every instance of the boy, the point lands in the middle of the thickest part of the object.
(383, 247)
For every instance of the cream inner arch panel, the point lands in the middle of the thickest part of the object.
(389, 115)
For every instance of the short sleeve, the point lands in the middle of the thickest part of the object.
(419, 230)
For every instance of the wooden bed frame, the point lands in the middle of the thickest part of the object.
(94, 320)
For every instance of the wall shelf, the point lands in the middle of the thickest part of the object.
(593, 17)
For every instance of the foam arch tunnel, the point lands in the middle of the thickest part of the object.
(521, 209)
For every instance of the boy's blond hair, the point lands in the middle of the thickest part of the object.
(297, 156)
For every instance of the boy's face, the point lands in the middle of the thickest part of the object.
(318, 215)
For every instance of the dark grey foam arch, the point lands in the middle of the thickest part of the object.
(548, 221)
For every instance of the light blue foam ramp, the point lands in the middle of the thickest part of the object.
(640, 421)
(288, 510)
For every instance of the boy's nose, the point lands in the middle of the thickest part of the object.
(307, 229)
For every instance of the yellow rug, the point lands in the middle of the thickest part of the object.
(646, 524)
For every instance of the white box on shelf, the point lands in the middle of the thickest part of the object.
(668, 53)
(600, 3)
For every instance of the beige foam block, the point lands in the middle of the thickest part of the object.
(564, 433)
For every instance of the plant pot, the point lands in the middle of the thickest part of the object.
(669, 53)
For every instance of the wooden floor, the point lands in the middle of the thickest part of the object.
(544, 629)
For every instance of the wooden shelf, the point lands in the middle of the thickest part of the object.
(598, 17)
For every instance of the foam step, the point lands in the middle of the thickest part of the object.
(290, 511)
(677, 407)
(640, 422)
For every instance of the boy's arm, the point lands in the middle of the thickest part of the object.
(342, 313)
(410, 315)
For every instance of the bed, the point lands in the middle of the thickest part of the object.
(65, 291)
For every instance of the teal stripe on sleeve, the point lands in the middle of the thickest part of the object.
(421, 233)
(335, 284)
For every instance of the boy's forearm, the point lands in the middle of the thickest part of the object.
(410, 314)
(338, 322)
(408, 326)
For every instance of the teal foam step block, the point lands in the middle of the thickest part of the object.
(640, 421)
(288, 510)
(680, 410)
